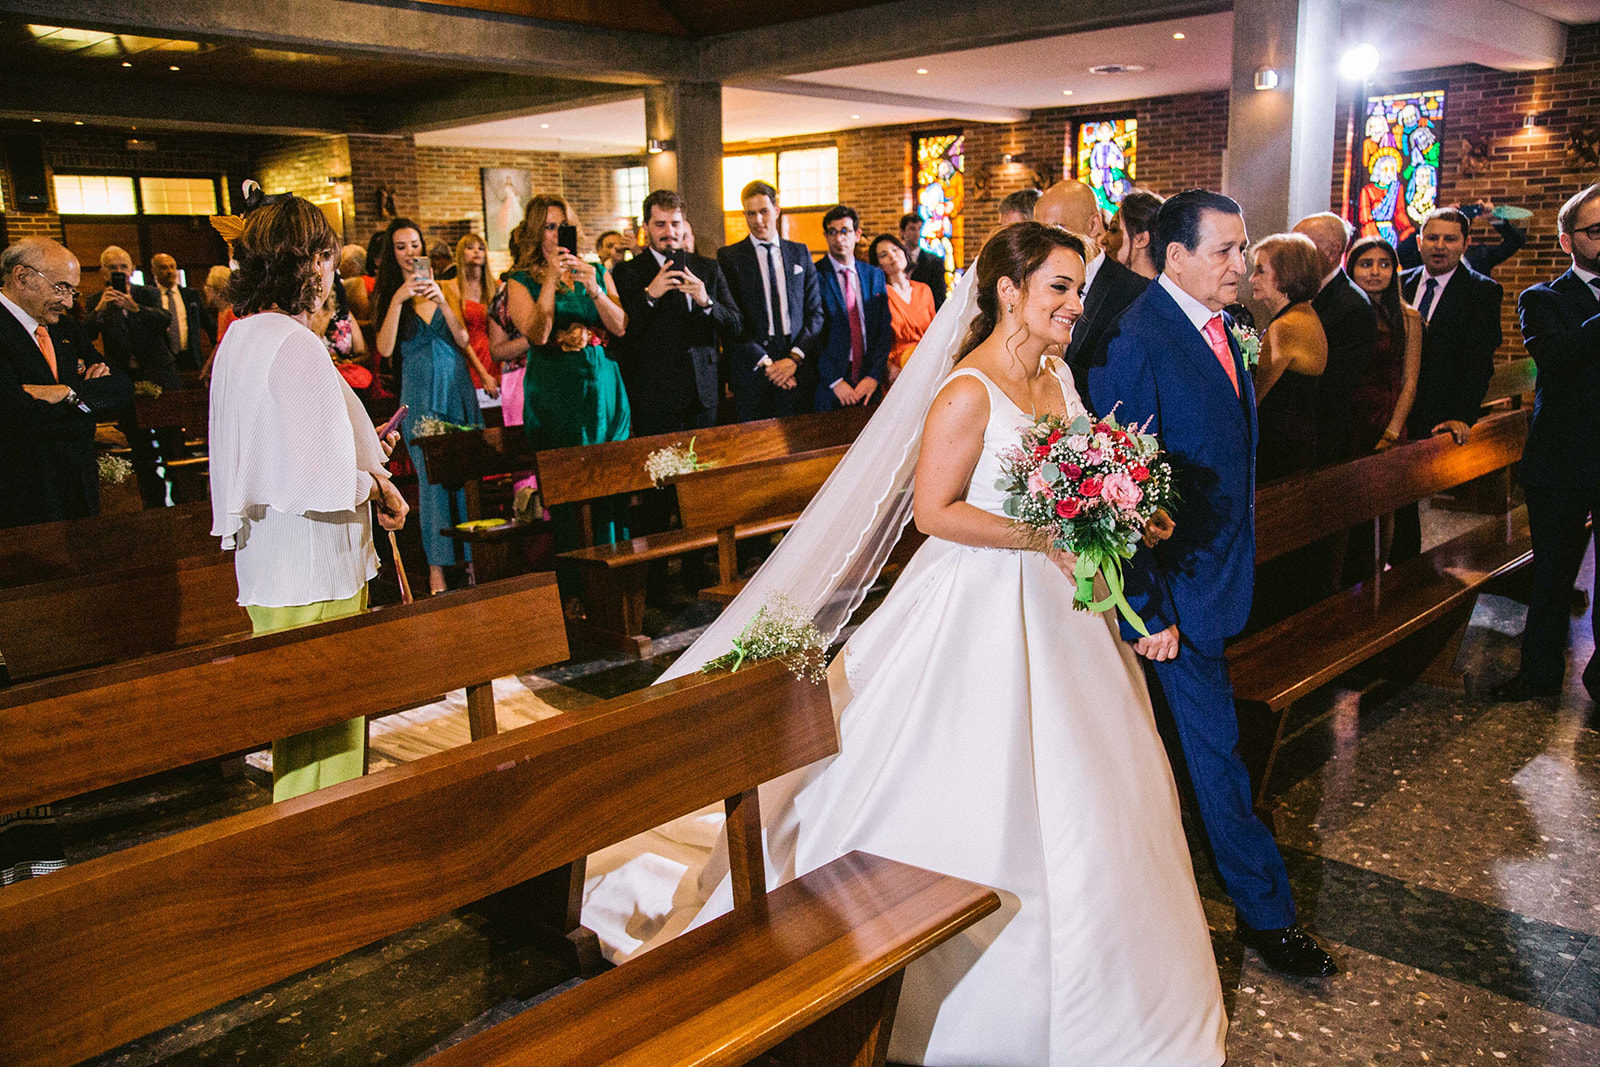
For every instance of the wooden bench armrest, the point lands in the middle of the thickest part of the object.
(734, 988)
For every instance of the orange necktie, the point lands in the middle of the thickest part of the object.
(48, 348)
(1217, 334)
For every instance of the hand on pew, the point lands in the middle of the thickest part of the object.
(1159, 647)
(1458, 430)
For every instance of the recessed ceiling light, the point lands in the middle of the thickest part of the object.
(125, 63)
(855, 116)
(38, 120)
(77, 122)
(1066, 92)
(544, 125)
(173, 67)
(1177, 36)
(922, 70)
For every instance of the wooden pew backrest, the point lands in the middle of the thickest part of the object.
(124, 944)
(749, 492)
(66, 736)
(188, 409)
(117, 541)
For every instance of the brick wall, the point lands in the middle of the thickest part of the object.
(378, 162)
(1527, 167)
(303, 166)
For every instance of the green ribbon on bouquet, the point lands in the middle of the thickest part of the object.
(1093, 561)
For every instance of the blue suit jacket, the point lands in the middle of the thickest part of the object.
(1157, 366)
(833, 344)
(1561, 327)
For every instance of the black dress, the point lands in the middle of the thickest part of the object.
(1287, 419)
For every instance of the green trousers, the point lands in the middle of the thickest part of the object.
(328, 755)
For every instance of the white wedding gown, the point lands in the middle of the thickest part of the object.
(994, 733)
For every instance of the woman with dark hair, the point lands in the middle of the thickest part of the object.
(572, 390)
(1385, 394)
(911, 307)
(420, 327)
(1294, 353)
(1127, 236)
(294, 462)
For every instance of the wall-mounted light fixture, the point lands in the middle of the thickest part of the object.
(1534, 120)
(1266, 79)
(655, 147)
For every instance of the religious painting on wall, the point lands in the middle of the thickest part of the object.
(1105, 152)
(1399, 163)
(506, 192)
(940, 193)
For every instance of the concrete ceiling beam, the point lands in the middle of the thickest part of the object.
(118, 101)
(952, 109)
(1504, 36)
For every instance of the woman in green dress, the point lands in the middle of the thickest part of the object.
(572, 393)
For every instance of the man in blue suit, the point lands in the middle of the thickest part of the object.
(1172, 359)
(853, 349)
(1561, 461)
(775, 285)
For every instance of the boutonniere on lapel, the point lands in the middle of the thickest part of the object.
(1249, 342)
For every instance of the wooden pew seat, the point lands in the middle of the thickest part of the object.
(752, 980)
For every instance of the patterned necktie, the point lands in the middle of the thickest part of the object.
(48, 348)
(1425, 309)
(852, 310)
(1217, 335)
(774, 301)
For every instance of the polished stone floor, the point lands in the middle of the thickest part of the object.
(1443, 846)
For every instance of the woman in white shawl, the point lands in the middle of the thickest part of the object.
(294, 462)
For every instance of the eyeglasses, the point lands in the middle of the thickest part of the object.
(1591, 232)
(839, 231)
(64, 289)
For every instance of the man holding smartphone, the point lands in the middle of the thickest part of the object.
(679, 308)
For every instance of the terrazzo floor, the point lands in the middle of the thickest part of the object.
(1445, 847)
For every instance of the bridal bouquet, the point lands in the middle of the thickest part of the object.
(1090, 486)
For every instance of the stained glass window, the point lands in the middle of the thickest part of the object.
(939, 198)
(1399, 166)
(1105, 152)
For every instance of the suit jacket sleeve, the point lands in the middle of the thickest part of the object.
(108, 393)
(1556, 347)
(1484, 340)
(20, 411)
(630, 291)
(1485, 258)
(724, 312)
(810, 331)
(150, 312)
(881, 339)
(1125, 376)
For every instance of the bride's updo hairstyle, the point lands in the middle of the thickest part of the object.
(1014, 252)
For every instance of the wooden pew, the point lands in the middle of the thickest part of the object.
(53, 550)
(1277, 666)
(764, 492)
(69, 735)
(124, 944)
(185, 409)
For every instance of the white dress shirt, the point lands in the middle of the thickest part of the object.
(1422, 287)
(849, 279)
(782, 316)
(29, 323)
(1197, 313)
(172, 300)
(1092, 269)
(1586, 276)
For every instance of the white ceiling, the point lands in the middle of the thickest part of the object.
(1027, 75)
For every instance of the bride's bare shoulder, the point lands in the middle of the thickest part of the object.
(962, 397)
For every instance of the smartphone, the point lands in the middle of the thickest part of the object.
(567, 237)
(119, 281)
(422, 269)
(394, 420)
(678, 259)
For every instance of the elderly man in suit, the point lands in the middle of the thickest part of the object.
(1109, 287)
(52, 386)
(186, 308)
(679, 308)
(1462, 311)
(775, 285)
(853, 349)
(921, 265)
(1561, 462)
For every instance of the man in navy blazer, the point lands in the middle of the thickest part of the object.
(1172, 359)
(775, 285)
(853, 349)
(189, 320)
(1561, 461)
(53, 385)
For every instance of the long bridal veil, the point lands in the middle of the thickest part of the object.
(833, 553)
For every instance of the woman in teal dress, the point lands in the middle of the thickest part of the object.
(418, 322)
(572, 393)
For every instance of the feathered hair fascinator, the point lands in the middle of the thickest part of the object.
(231, 227)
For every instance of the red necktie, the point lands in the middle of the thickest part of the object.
(1217, 334)
(48, 348)
(858, 339)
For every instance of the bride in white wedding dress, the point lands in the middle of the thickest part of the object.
(990, 731)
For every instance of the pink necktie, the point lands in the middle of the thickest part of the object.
(1217, 334)
(858, 339)
(48, 348)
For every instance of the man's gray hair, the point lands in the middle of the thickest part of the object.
(26, 252)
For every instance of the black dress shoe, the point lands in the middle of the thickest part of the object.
(1290, 951)
(1517, 688)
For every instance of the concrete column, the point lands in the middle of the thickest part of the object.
(1279, 163)
(689, 114)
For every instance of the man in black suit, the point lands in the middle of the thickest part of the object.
(1351, 326)
(1462, 310)
(1561, 461)
(679, 307)
(131, 325)
(1109, 287)
(52, 386)
(774, 283)
(187, 317)
(921, 265)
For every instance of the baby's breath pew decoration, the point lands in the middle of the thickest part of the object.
(114, 470)
(674, 459)
(144, 388)
(433, 426)
(780, 631)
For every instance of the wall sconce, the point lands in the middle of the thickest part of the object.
(1534, 120)
(656, 147)
(1266, 79)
